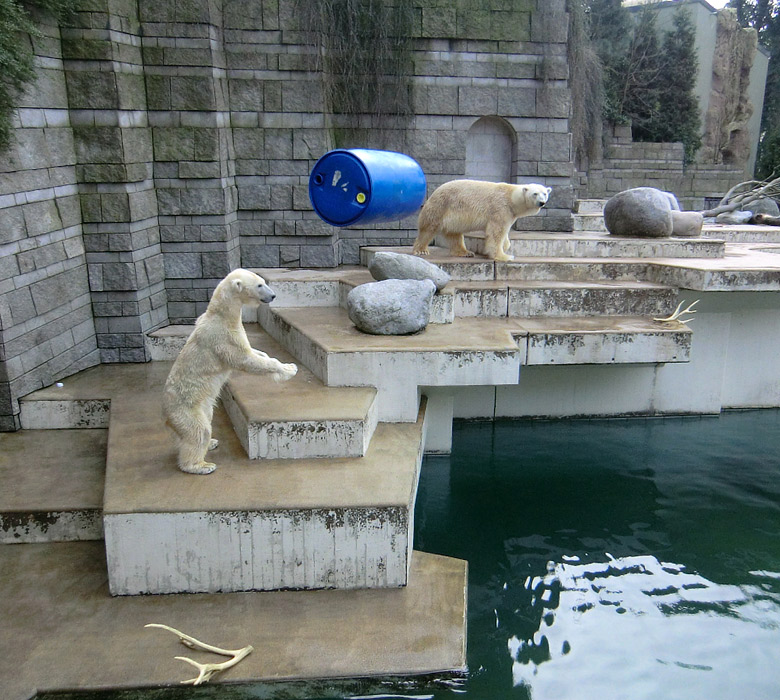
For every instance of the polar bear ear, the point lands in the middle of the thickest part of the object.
(238, 285)
(549, 189)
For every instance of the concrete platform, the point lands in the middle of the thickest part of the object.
(51, 485)
(62, 629)
(467, 352)
(254, 525)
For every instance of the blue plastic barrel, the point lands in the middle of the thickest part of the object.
(363, 186)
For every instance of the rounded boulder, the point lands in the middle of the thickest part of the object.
(400, 266)
(641, 212)
(391, 307)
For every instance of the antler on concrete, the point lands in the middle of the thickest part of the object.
(678, 313)
(205, 671)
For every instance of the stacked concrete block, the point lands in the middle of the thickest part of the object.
(113, 145)
(46, 327)
(279, 131)
(194, 173)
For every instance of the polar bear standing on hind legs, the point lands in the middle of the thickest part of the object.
(217, 346)
(462, 206)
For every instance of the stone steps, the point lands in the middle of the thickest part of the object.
(51, 485)
(255, 524)
(290, 420)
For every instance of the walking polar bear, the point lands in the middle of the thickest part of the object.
(217, 346)
(462, 206)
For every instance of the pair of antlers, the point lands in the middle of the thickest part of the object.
(205, 671)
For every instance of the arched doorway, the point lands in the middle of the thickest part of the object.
(489, 148)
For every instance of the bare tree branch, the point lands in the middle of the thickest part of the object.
(757, 190)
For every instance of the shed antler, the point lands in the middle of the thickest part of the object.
(679, 312)
(205, 671)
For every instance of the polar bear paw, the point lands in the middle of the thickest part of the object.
(285, 372)
(213, 444)
(199, 468)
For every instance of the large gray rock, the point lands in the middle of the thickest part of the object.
(391, 307)
(641, 212)
(399, 266)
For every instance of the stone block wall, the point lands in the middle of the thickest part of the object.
(47, 329)
(106, 93)
(628, 163)
(167, 142)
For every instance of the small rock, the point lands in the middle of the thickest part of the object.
(734, 217)
(687, 224)
(391, 307)
(641, 212)
(399, 266)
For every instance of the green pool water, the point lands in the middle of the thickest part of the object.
(608, 560)
(614, 559)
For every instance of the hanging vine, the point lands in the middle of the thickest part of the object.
(17, 29)
(364, 50)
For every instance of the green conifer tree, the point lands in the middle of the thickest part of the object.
(678, 117)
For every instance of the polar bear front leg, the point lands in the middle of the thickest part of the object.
(495, 235)
(260, 363)
(458, 246)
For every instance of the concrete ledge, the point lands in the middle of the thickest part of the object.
(563, 299)
(51, 485)
(603, 245)
(599, 341)
(467, 352)
(54, 595)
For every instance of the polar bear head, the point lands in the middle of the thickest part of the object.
(250, 288)
(529, 199)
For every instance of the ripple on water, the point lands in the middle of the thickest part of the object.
(648, 627)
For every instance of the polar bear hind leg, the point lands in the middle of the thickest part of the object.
(193, 431)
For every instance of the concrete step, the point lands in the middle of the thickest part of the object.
(468, 352)
(290, 420)
(603, 245)
(51, 485)
(53, 594)
(604, 341)
(586, 223)
(589, 206)
(254, 525)
(563, 299)
(297, 419)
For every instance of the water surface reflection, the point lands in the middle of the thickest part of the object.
(614, 559)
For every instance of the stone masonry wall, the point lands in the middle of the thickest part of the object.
(628, 164)
(46, 323)
(166, 142)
